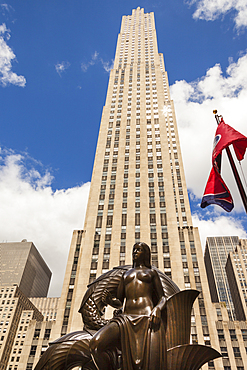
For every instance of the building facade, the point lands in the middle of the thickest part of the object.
(215, 257)
(13, 309)
(232, 339)
(37, 334)
(138, 190)
(138, 193)
(236, 271)
(22, 264)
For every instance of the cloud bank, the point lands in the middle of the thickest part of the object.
(7, 76)
(194, 103)
(31, 210)
(213, 9)
(218, 226)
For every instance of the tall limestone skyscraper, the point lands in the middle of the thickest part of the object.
(138, 190)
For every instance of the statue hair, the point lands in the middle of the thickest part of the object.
(147, 251)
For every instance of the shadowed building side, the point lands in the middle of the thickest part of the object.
(22, 264)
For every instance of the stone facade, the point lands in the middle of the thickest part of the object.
(138, 189)
(16, 312)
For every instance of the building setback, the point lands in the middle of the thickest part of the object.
(22, 264)
(138, 193)
(13, 304)
(138, 190)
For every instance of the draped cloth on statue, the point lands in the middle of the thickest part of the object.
(139, 344)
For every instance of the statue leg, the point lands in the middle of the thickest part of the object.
(157, 355)
(104, 340)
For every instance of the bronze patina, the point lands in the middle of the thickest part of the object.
(150, 328)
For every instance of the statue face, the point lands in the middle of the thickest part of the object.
(138, 253)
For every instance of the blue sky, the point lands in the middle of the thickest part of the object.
(55, 58)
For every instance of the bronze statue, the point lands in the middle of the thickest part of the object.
(139, 332)
(153, 331)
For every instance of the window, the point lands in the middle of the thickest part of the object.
(33, 350)
(233, 334)
(244, 334)
(221, 334)
(236, 352)
(218, 311)
(36, 334)
(224, 351)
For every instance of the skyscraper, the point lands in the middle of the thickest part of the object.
(236, 271)
(22, 264)
(138, 189)
(216, 253)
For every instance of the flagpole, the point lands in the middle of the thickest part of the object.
(234, 169)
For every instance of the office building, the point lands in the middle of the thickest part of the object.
(26, 353)
(232, 337)
(236, 271)
(138, 189)
(13, 309)
(216, 253)
(22, 264)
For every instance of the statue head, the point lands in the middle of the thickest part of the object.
(146, 252)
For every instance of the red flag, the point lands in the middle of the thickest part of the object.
(216, 191)
(226, 135)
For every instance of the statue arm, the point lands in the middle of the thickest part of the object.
(116, 302)
(155, 316)
(121, 290)
(112, 301)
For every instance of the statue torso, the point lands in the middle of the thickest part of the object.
(138, 285)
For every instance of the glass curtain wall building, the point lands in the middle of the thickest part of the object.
(216, 253)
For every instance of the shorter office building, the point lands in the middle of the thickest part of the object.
(16, 312)
(24, 330)
(232, 337)
(22, 264)
(236, 270)
(215, 257)
(35, 344)
(47, 306)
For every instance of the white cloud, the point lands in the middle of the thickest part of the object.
(31, 210)
(7, 76)
(213, 9)
(95, 55)
(61, 67)
(194, 103)
(94, 59)
(218, 226)
(107, 65)
(6, 7)
(85, 66)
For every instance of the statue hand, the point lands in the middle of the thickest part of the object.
(155, 318)
(106, 297)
